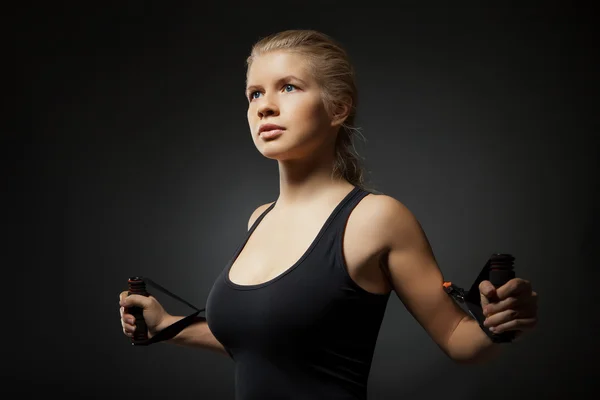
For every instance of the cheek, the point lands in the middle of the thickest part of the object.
(308, 113)
(251, 118)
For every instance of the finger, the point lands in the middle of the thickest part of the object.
(123, 295)
(128, 319)
(502, 305)
(487, 290)
(135, 300)
(519, 302)
(487, 293)
(515, 325)
(501, 318)
(125, 313)
(128, 329)
(514, 288)
(509, 315)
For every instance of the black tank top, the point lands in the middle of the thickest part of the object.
(308, 333)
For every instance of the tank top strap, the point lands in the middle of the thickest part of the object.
(260, 218)
(352, 202)
(340, 220)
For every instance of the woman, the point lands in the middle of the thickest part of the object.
(299, 306)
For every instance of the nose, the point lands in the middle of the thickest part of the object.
(267, 108)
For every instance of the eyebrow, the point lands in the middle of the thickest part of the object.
(279, 81)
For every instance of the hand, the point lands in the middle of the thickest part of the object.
(511, 307)
(154, 313)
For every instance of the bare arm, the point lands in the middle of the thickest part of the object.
(197, 335)
(417, 280)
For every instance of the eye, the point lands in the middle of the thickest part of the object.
(289, 87)
(254, 94)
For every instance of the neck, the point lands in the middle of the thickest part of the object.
(306, 180)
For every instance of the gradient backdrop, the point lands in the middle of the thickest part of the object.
(133, 157)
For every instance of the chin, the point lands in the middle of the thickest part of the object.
(278, 152)
(282, 150)
(274, 154)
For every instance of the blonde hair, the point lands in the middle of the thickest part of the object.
(331, 68)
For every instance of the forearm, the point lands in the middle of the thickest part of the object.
(196, 335)
(469, 344)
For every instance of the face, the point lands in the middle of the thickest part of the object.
(286, 113)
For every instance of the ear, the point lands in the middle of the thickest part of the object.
(340, 112)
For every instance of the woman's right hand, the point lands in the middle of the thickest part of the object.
(154, 313)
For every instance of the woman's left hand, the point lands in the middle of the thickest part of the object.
(511, 307)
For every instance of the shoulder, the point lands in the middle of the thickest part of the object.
(381, 208)
(386, 219)
(257, 212)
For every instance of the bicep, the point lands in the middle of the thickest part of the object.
(417, 280)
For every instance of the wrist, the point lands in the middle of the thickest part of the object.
(166, 321)
(469, 344)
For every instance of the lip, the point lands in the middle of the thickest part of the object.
(271, 134)
(269, 127)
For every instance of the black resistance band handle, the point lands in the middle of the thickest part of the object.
(498, 270)
(137, 285)
(501, 271)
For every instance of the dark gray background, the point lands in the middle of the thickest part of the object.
(132, 156)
